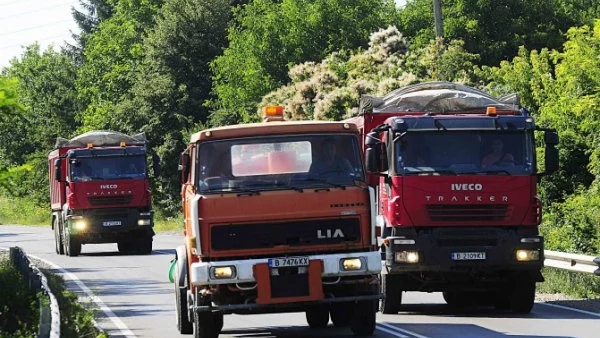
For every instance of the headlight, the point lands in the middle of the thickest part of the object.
(407, 256)
(144, 221)
(527, 255)
(80, 224)
(351, 264)
(222, 272)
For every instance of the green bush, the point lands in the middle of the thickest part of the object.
(571, 283)
(19, 312)
(14, 210)
(572, 226)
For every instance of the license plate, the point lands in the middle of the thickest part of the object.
(287, 261)
(468, 256)
(111, 223)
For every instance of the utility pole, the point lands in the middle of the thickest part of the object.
(437, 13)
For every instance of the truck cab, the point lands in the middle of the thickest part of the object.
(100, 193)
(456, 176)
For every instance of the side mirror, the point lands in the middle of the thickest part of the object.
(58, 170)
(372, 160)
(551, 153)
(376, 158)
(184, 166)
(155, 165)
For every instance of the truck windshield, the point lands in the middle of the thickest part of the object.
(276, 162)
(107, 168)
(464, 152)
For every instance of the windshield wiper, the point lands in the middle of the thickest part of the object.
(332, 184)
(267, 185)
(497, 171)
(431, 171)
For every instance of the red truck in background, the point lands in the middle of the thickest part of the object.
(100, 192)
(456, 216)
(278, 218)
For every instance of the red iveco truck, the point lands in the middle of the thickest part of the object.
(278, 218)
(100, 193)
(457, 217)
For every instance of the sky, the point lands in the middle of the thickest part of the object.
(22, 22)
(49, 22)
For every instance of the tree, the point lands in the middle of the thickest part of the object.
(46, 92)
(112, 54)
(268, 36)
(495, 29)
(174, 81)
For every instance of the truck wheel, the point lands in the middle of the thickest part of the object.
(125, 246)
(341, 314)
(207, 324)
(144, 245)
(72, 246)
(58, 239)
(523, 296)
(363, 320)
(459, 299)
(183, 321)
(390, 287)
(317, 316)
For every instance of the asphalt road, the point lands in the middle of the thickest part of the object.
(134, 298)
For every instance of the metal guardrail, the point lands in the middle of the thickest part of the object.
(572, 262)
(49, 313)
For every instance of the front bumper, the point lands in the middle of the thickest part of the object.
(245, 269)
(464, 250)
(110, 225)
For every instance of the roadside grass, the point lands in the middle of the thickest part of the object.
(19, 312)
(577, 284)
(26, 212)
(76, 319)
(23, 211)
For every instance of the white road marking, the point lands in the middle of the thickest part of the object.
(107, 311)
(393, 333)
(595, 314)
(381, 326)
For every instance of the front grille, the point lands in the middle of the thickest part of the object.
(268, 235)
(110, 200)
(453, 242)
(467, 213)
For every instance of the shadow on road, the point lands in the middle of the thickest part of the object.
(287, 332)
(444, 310)
(445, 330)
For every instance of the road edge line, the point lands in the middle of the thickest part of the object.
(103, 307)
(392, 327)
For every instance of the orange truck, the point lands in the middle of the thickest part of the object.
(278, 218)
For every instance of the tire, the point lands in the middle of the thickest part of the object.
(126, 247)
(363, 320)
(207, 324)
(523, 296)
(341, 314)
(144, 245)
(58, 238)
(72, 246)
(390, 287)
(317, 316)
(459, 299)
(502, 299)
(184, 325)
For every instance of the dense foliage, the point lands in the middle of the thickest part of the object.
(171, 67)
(19, 311)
